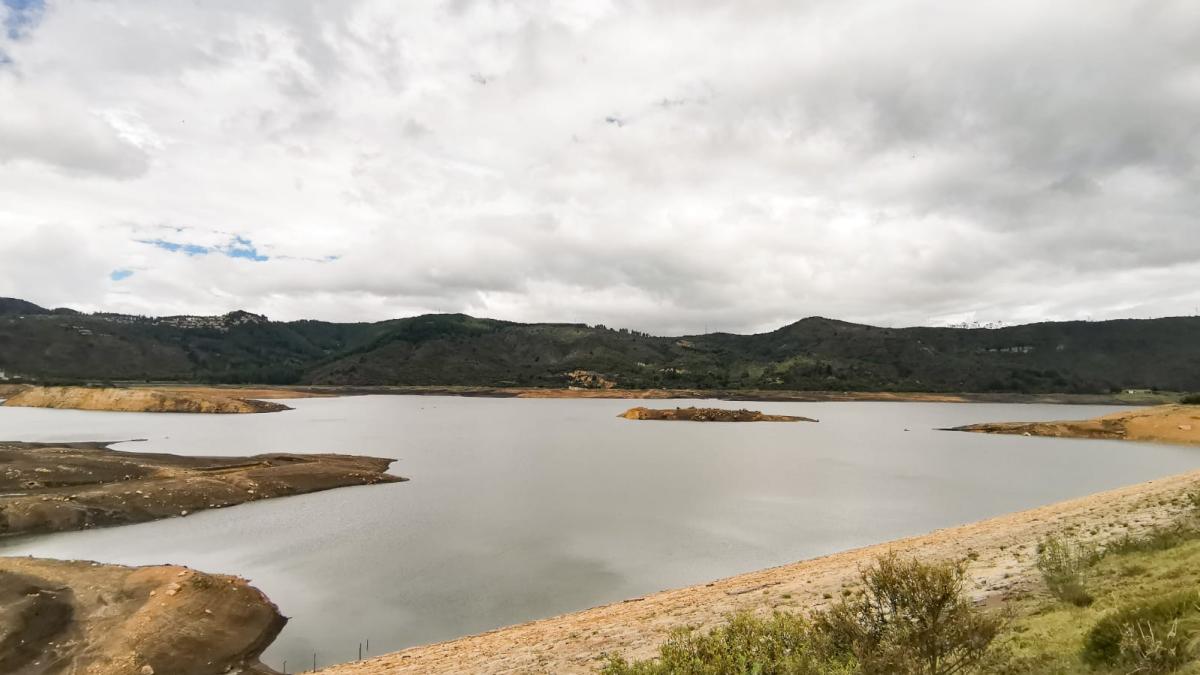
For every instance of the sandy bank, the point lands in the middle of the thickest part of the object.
(1002, 552)
(707, 415)
(137, 400)
(47, 487)
(92, 619)
(1160, 424)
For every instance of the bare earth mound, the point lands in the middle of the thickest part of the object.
(707, 415)
(92, 619)
(138, 400)
(1162, 424)
(47, 487)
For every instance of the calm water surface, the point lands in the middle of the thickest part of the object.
(521, 509)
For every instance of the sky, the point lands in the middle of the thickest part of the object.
(672, 167)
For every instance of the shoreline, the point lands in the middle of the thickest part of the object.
(749, 395)
(1001, 551)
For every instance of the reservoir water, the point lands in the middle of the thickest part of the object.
(519, 509)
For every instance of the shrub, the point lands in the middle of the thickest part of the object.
(911, 618)
(1190, 399)
(1063, 564)
(782, 645)
(1146, 634)
(1157, 539)
(1152, 653)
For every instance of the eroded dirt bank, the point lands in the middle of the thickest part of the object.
(84, 618)
(51, 487)
(1161, 424)
(1001, 551)
(707, 415)
(117, 399)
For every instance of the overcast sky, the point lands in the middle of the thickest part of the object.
(666, 166)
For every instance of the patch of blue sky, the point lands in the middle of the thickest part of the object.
(238, 247)
(175, 247)
(20, 16)
(120, 274)
(241, 247)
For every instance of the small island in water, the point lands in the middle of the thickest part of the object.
(693, 414)
(120, 399)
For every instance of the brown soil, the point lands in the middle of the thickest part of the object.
(1001, 554)
(707, 415)
(137, 400)
(84, 618)
(46, 487)
(1162, 424)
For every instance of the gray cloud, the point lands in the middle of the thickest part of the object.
(920, 163)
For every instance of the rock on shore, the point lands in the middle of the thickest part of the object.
(93, 619)
(707, 415)
(118, 399)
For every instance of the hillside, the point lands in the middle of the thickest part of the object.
(455, 349)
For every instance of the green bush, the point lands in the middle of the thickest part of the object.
(1063, 564)
(1157, 539)
(781, 645)
(1154, 636)
(911, 618)
(1190, 399)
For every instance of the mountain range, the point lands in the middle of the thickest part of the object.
(63, 345)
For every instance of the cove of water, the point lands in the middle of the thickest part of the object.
(519, 509)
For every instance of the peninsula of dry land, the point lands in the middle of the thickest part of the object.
(707, 415)
(118, 399)
(51, 487)
(1160, 424)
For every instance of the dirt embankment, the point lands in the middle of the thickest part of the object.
(1161, 424)
(46, 487)
(1001, 552)
(137, 400)
(707, 415)
(84, 618)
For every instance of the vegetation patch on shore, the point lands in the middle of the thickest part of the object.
(116, 399)
(707, 415)
(1131, 605)
(48, 487)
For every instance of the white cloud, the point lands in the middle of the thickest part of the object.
(665, 166)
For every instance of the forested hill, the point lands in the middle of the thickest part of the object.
(455, 349)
